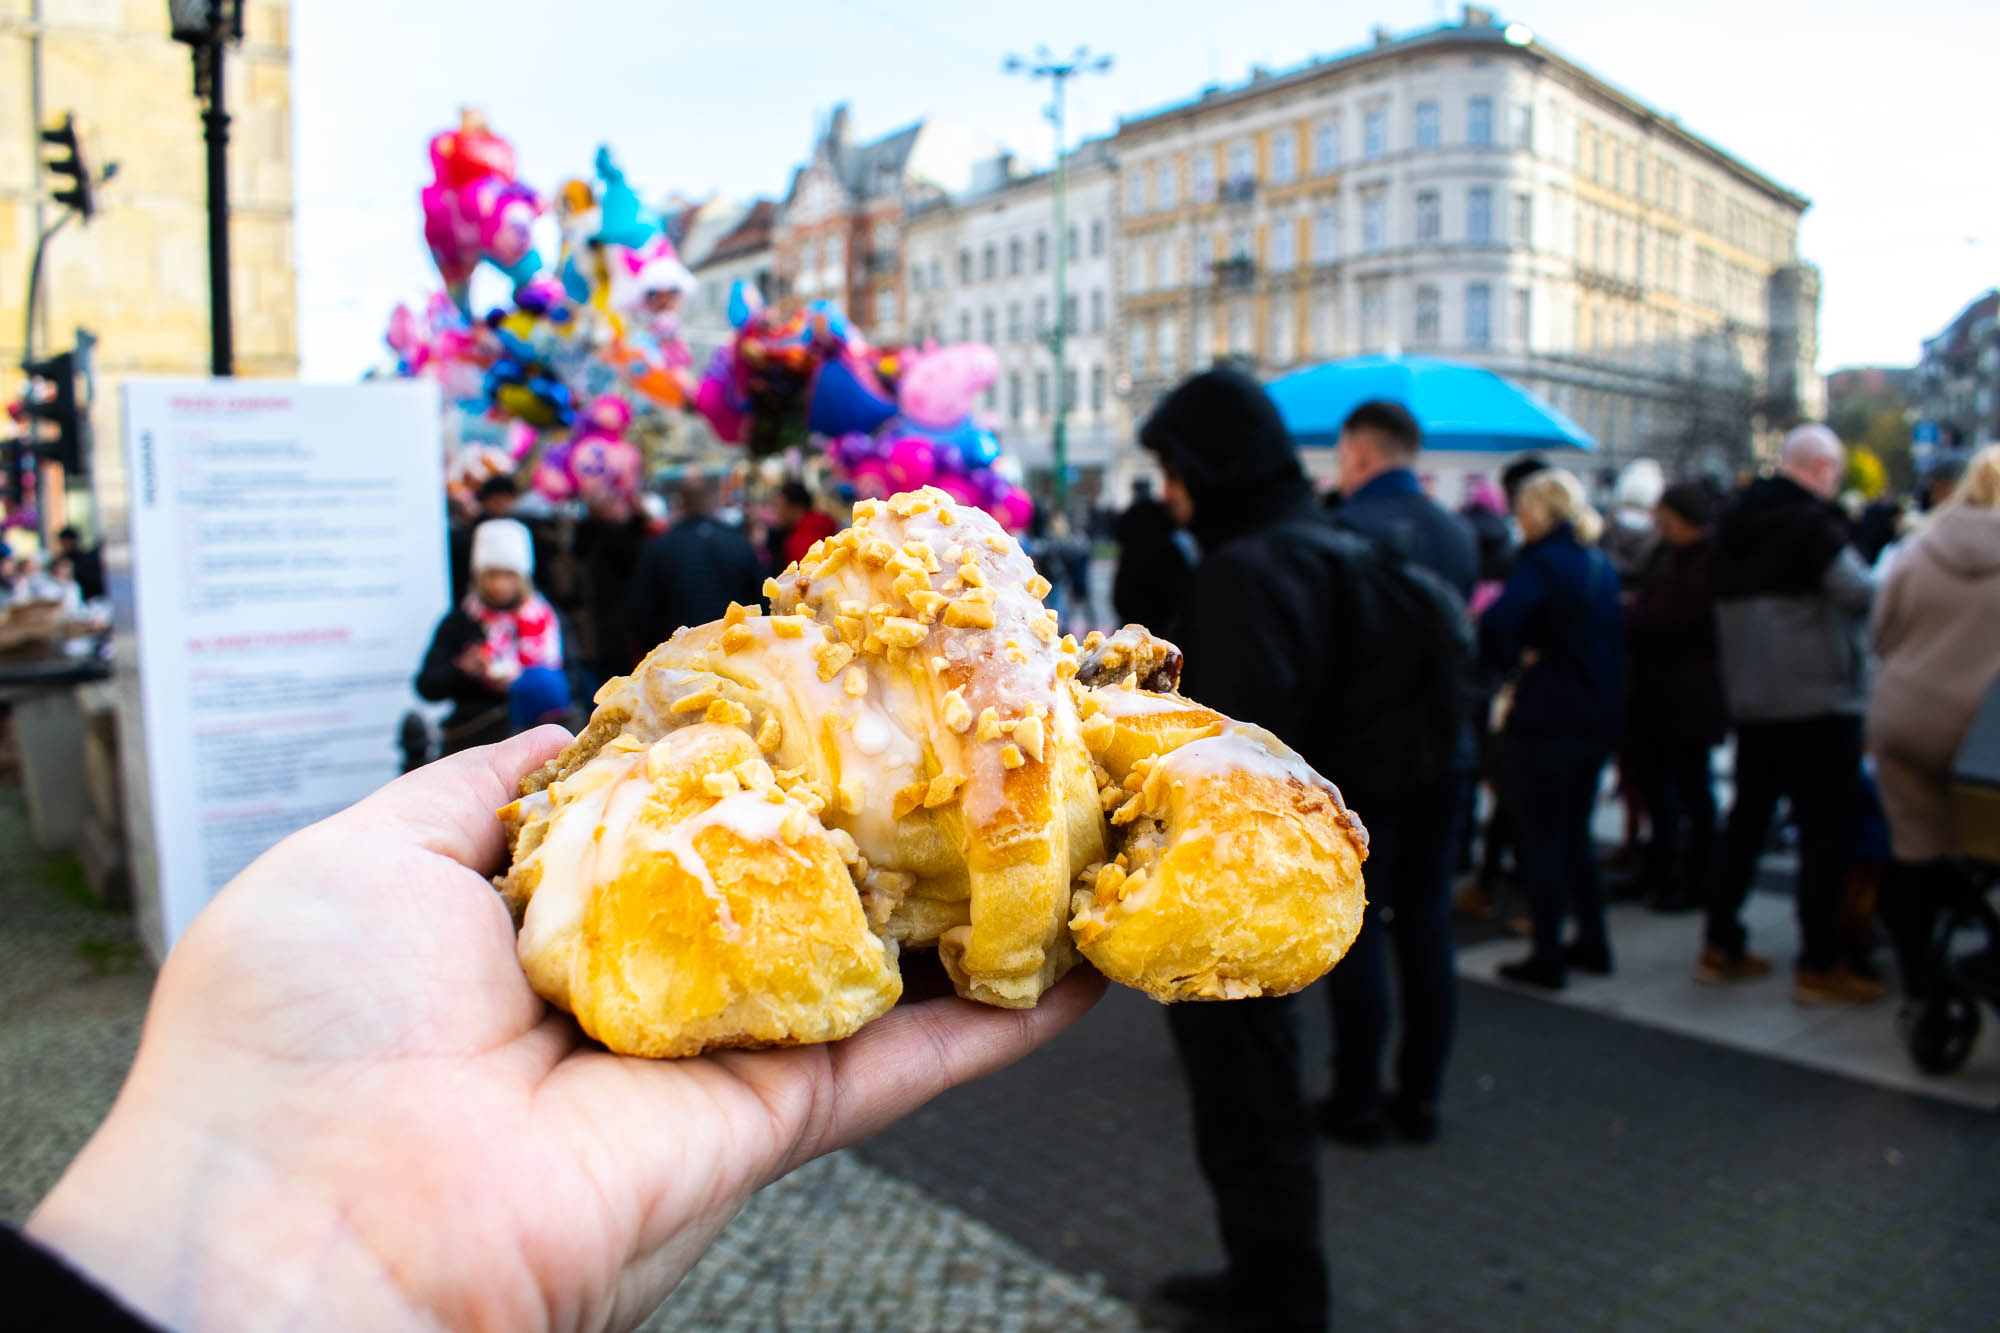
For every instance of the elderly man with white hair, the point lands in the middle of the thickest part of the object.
(1792, 601)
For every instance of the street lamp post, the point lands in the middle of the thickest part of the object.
(1059, 73)
(208, 26)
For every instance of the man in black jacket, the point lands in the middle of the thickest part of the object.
(1253, 627)
(1152, 566)
(1411, 834)
(689, 574)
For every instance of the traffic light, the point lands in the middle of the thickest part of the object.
(58, 425)
(69, 161)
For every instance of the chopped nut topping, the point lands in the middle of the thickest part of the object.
(793, 826)
(1092, 639)
(736, 638)
(1011, 756)
(943, 790)
(831, 657)
(1039, 587)
(694, 703)
(851, 793)
(1028, 734)
(625, 743)
(1110, 879)
(789, 627)
(852, 630)
(945, 516)
(720, 784)
(957, 713)
(1127, 812)
(736, 614)
(908, 798)
(928, 604)
(968, 614)
(902, 632)
(771, 734)
(990, 726)
(835, 559)
(1069, 643)
(855, 683)
(728, 713)
(659, 762)
(997, 543)
(754, 774)
(850, 607)
(974, 576)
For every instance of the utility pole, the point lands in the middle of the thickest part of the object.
(1059, 73)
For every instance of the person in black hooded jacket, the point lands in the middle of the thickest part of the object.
(1251, 625)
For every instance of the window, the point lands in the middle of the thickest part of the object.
(1135, 261)
(1204, 176)
(1166, 185)
(1014, 257)
(1427, 125)
(1239, 329)
(1374, 222)
(1523, 316)
(1325, 326)
(989, 265)
(1069, 390)
(965, 267)
(1279, 340)
(1071, 252)
(1169, 346)
(1169, 265)
(1014, 395)
(1041, 327)
(1284, 245)
(836, 251)
(1639, 175)
(1139, 350)
(1070, 304)
(1326, 236)
(885, 306)
(1479, 214)
(1374, 313)
(936, 279)
(1135, 191)
(1375, 133)
(1097, 391)
(1639, 258)
(1041, 393)
(965, 326)
(1326, 145)
(1521, 227)
(1428, 224)
(1242, 167)
(1041, 252)
(1478, 314)
(1425, 333)
(986, 326)
(1013, 321)
(1204, 256)
(916, 277)
(1204, 340)
(1097, 312)
(1617, 166)
(1479, 120)
(1097, 237)
(1284, 154)
(1523, 128)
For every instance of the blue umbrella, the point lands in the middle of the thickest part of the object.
(1459, 406)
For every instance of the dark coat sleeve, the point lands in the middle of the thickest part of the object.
(1672, 609)
(1247, 647)
(1502, 627)
(440, 680)
(44, 1292)
(647, 604)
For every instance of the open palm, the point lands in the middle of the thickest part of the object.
(354, 1110)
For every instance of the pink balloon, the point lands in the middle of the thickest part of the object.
(1014, 510)
(960, 489)
(712, 399)
(938, 390)
(871, 479)
(912, 462)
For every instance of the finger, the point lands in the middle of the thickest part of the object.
(448, 807)
(910, 1055)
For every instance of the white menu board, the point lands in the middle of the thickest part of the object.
(288, 565)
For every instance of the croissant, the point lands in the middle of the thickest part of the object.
(904, 754)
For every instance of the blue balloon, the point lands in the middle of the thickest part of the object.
(843, 403)
(623, 220)
(574, 283)
(744, 302)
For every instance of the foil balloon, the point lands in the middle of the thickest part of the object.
(622, 219)
(1014, 510)
(911, 462)
(846, 397)
(937, 389)
(870, 478)
(960, 489)
(475, 210)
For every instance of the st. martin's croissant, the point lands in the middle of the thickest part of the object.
(904, 754)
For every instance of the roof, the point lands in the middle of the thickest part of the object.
(862, 166)
(753, 233)
(1448, 36)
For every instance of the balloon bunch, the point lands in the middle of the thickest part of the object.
(929, 437)
(475, 211)
(760, 390)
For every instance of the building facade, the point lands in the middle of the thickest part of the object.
(1465, 191)
(137, 275)
(1958, 378)
(838, 233)
(742, 251)
(980, 267)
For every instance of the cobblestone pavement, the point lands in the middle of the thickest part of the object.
(839, 1246)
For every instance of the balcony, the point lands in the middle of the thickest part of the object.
(1239, 271)
(1241, 190)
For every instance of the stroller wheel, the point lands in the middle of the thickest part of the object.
(1941, 1033)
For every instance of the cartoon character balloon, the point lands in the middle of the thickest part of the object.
(475, 210)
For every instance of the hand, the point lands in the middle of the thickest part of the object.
(349, 1110)
(471, 661)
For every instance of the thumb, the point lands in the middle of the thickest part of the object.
(450, 807)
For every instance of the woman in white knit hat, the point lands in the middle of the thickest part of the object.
(499, 655)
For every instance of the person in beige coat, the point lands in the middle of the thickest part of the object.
(1936, 631)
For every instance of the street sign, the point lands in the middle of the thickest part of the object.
(288, 565)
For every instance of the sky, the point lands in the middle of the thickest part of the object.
(1877, 113)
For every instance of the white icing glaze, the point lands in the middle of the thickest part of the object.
(570, 855)
(1119, 702)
